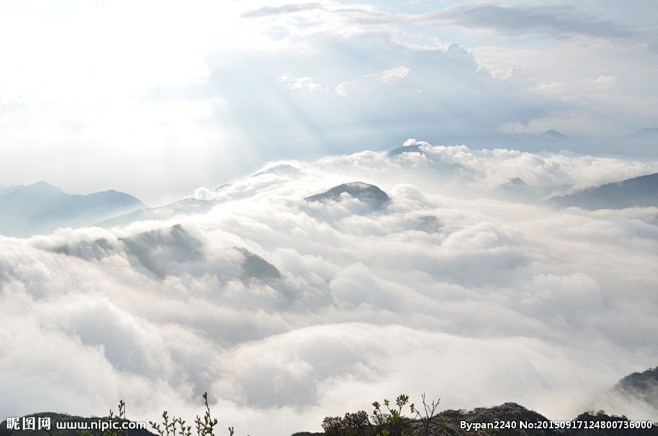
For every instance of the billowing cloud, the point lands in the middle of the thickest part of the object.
(281, 307)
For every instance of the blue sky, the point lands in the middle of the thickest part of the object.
(156, 98)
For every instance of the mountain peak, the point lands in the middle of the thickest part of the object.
(365, 192)
(642, 385)
(413, 148)
(554, 134)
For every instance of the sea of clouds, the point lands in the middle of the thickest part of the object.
(465, 286)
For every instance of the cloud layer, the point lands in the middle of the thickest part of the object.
(451, 288)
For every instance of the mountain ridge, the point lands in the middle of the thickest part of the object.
(26, 210)
(635, 192)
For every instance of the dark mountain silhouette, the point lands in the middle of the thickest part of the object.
(639, 191)
(369, 194)
(42, 208)
(641, 385)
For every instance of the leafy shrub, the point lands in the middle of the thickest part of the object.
(387, 420)
(177, 427)
(353, 424)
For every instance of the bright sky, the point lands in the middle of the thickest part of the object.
(156, 98)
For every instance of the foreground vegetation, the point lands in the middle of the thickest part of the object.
(389, 418)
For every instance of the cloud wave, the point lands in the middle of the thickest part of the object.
(448, 288)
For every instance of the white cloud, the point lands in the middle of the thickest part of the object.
(305, 83)
(393, 74)
(473, 300)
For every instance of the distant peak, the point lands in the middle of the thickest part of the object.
(43, 183)
(554, 134)
(412, 148)
(647, 133)
(365, 192)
